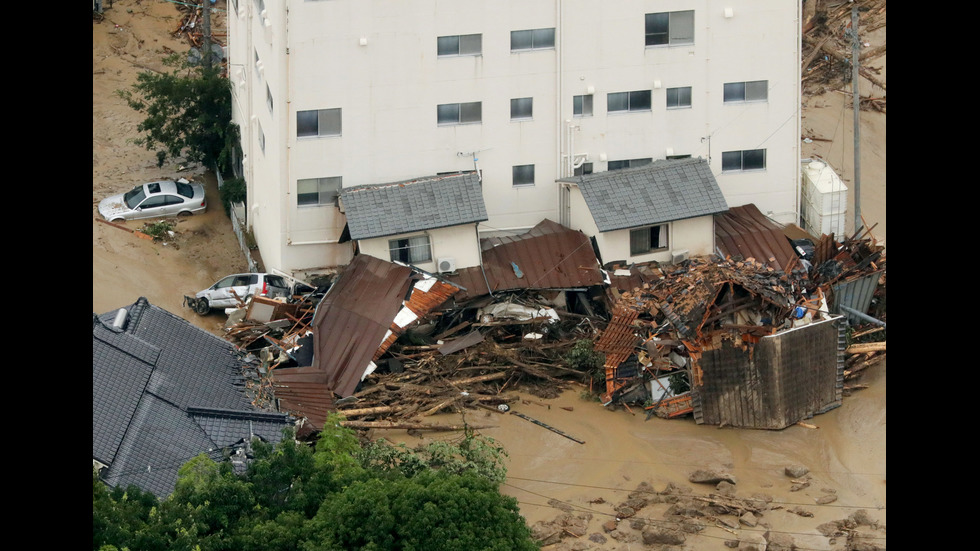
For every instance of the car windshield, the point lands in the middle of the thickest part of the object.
(134, 197)
(185, 189)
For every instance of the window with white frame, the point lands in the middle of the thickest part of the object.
(318, 122)
(638, 100)
(628, 163)
(533, 39)
(410, 250)
(521, 108)
(268, 97)
(753, 90)
(679, 98)
(318, 192)
(582, 105)
(460, 44)
(583, 169)
(748, 159)
(459, 113)
(523, 175)
(669, 28)
(648, 240)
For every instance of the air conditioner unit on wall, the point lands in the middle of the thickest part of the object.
(679, 256)
(446, 265)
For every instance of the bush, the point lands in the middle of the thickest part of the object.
(233, 191)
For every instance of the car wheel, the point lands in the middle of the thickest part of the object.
(202, 307)
(184, 213)
(117, 220)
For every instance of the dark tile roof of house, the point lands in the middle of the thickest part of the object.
(663, 191)
(413, 205)
(148, 376)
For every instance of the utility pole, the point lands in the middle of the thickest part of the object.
(206, 54)
(855, 54)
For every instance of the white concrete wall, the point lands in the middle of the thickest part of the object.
(457, 242)
(389, 88)
(696, 235)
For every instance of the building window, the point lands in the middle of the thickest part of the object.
(669, 28)
(410, 250)
(749, 159)
(582, 106)
(585, 168)
(755, 90)
(628, 101)
(678, 98)
(318, 192)
(460, 113)
(318, 122)
(628, 163)
(535, 39)
(521, 108)
(465, 44)
(258, 125)
(268, 97)
(524, 175)
(648, 240)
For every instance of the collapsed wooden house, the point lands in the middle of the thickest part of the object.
(727, 338)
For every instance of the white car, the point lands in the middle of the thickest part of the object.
(155, 200)
(231, 291)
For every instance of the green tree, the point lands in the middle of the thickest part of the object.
(188, 114)
(433, 511)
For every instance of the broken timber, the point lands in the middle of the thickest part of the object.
(549, 427)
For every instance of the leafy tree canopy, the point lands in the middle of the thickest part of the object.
(334, 496)
(188, 114)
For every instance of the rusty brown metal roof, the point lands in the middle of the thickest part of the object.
(348, 326)
(745, 231)
(548, 256)
(353, 325)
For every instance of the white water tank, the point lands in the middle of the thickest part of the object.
(824, 199)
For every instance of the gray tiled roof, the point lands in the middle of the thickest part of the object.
(164, 391)
(659, 192)
(413, 205)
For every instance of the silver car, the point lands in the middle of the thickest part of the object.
(231, 290)
(155, 200)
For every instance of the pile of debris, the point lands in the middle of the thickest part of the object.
(827, 48)
(388, 344)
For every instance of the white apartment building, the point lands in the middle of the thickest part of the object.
(343, 93)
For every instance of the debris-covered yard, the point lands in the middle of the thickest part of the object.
(730, 340)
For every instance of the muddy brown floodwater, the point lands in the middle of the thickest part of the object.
(845, 453)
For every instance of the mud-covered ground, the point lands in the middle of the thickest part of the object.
(553, 478)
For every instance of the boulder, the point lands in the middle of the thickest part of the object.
(796, 471)
(663, 536)
(706, 476)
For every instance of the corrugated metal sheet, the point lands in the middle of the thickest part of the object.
(354, 324)
(747, 232)
(777, 382)
(855, 293)
(549, 256)
(618, 343)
